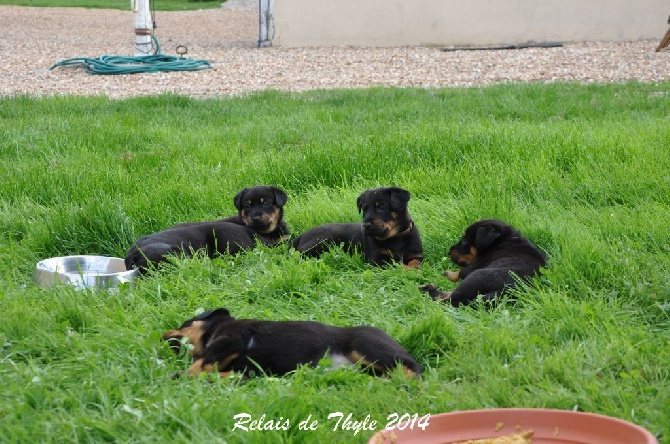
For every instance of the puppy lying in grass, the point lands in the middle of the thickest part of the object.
(387, 234)
(224, 345)
(491, 253)
(259, 219)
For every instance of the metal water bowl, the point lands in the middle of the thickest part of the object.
(94, 272)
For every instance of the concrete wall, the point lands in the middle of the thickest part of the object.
(464, 22)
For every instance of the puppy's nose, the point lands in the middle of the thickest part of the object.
(256, 217)
(367, 225)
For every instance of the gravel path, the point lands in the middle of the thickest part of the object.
(33, 39)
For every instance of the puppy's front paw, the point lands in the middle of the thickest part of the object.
(428, 288)
(442, 296)
(435, 293)
(452, 275)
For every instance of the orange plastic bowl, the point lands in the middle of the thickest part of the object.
(548, 426)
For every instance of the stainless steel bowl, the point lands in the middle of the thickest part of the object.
(83, 271)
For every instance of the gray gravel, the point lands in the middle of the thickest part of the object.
(33, 39)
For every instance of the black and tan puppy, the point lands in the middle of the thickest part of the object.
(222, 344)
(491, 253)
(386, 235)
(261, 208)
(259, 219)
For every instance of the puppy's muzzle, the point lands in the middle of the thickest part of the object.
(174, 339)
(260, 223)
(454, 256)
(461, 259)
(375, 229)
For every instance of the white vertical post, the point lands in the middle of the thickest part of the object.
(143, 27)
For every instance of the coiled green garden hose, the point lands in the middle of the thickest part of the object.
(114, 64)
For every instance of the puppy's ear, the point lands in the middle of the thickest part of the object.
(237, 200)
(399, 198)
(211, 314)
(485, 236)
(280, 197)
(359, 201)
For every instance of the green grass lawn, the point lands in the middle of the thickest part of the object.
(158, 5)
(582, 170)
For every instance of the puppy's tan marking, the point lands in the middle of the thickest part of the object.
(452, 275)
(414, 263)
(357, 358)
(464, 259)
(199, 366)
(193, 333)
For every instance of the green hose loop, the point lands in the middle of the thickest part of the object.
(113, 64)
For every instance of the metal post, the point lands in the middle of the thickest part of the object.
(143, 27)
(266, 24)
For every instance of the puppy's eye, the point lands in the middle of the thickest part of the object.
(380, 205)
(247, 204)
(266, 204)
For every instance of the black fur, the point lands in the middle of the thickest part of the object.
(223, 344)
(491, 253)
(259, 219)
(386, 235)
